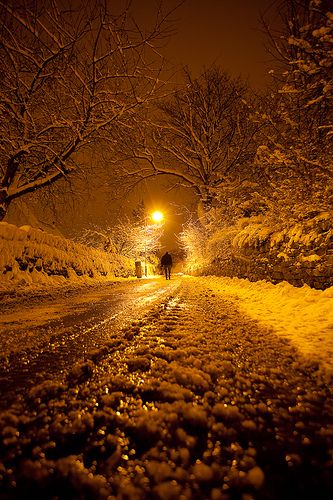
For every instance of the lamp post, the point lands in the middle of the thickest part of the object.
(146, 270)
(157, 217)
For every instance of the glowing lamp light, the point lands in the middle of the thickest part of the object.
(157, 216)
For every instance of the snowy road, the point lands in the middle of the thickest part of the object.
(191, 400)
(44, 334)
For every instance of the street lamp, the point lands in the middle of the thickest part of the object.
(157, 216)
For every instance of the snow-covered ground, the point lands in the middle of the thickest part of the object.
(194, 400)
(302, 315)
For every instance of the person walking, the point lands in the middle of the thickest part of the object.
(166, 264)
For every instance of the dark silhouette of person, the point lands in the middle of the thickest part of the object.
(166, 264)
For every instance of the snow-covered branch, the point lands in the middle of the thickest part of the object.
(201, 135)
(70, 73)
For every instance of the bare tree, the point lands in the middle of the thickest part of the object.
(193, 240)
(129, 238)
(70, 72)
(203, 137)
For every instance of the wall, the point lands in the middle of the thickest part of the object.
(30, 254)
(299, 254)
(264, 266)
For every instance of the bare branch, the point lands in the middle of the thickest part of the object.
(202, 135)
(68, 75)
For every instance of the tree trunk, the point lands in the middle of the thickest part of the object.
(205, 204)
(4, 203)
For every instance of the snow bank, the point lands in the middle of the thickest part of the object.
(302, 315)
(29, 255)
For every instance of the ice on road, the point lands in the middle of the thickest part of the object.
(44, 333)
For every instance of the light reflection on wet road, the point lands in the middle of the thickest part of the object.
(43, 337)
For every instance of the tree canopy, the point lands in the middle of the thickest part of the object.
(202, 137)
(70, 71)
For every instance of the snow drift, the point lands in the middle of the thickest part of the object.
(31, 255)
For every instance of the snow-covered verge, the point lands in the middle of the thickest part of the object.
(300, 253)
(29, 255)
(302, 315)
